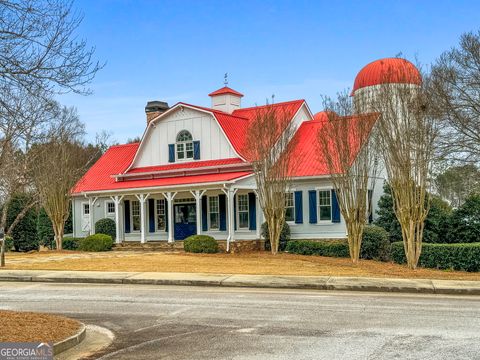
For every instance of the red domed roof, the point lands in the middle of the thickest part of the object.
(387, 71)
(323, 115)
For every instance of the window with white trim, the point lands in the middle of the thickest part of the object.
(242, 210)
(161, 218)
(110, 205)
(86, 209)
(213, 212)
(289, 207)
(324, 205)
(184, 145)
(135, 215)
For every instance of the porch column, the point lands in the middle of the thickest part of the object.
(142, 198)
(197, 194)
(169, 196)
(230, 193)
(91, 203)
(116, 200)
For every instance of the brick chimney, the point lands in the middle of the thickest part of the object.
(154, 109)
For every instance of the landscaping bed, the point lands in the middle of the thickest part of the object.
(261, 263)
(35, 327)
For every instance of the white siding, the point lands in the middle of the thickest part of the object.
(202, 126)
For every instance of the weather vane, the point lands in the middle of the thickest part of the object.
(225, 79)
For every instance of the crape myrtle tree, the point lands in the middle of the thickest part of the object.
(40, 55)
(455, 88)
(407, 133)
(60, 160)
(347, 146)
(270, 143)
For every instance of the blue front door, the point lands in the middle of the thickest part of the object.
(185, 221)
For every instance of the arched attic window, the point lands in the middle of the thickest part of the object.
(184, 145)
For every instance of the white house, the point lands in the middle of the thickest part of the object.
(190, 173)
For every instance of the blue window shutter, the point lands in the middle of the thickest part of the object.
(222, 204)
(252, 211)
(167, 206)
(126, 204)
(298, 207)
(370, 206)
(335, 208)
(235, 212)
(312, 206)
(196, 150)
(171, 152)
(204, 213)
(151, 215)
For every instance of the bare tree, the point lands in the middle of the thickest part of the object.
(407, 132)
(270, 143)
(454, 88)
(347, 146)
(39, 47)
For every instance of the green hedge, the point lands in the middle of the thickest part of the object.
(375, 244)
(70, 243)
(8, 243)
(200, 244)
(334, 248)
(96, 242)
(106, 226)
(464, 257)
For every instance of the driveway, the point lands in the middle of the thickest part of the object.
(162, 322)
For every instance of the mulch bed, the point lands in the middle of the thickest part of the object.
(35, 327)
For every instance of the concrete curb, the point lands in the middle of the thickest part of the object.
(418, 286)
(70, 342)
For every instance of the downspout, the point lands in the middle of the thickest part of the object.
(226, 191)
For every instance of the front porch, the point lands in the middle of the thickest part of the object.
(225, 213)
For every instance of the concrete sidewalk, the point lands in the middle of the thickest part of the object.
(457, 287)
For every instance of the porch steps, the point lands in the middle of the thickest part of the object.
(161, 246)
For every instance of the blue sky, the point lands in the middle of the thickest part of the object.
(179, 50)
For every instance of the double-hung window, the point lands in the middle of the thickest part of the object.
(161, 218)
(86, 209)
(289, 207)
(213, 211)
(110, 208)
(184, 145)
(135, 215)
(242, 201)
(325, 205)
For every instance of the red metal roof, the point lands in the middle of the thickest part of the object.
(225, 90)
(309, 160)
(115, 160)
(186, 165)
(387, 71)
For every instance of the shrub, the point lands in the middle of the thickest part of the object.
(284, 237)
(464, 224)
(463, 257)
(106, 226)
(45, 234)
(435, 224)
(375, 244)
(200, 244)
(96, 242)
(333, 248)
(24, 234)
(70, 243)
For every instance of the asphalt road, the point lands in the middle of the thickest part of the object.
(160, 322)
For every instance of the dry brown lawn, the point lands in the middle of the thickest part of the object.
(259, 263)
(33, 327)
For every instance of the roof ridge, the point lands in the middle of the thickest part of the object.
(123, 145)
(275, 104)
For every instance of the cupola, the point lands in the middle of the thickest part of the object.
(226, 99)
